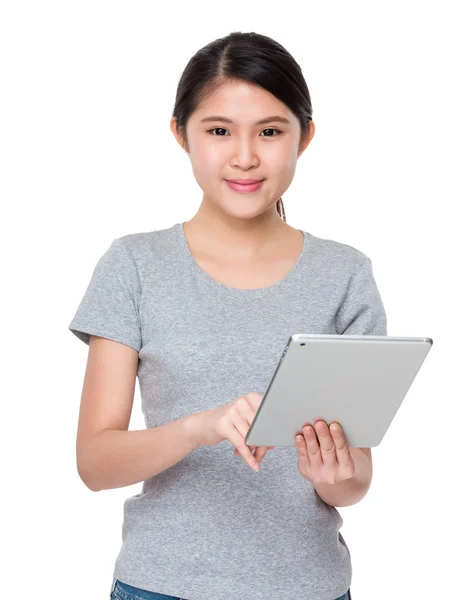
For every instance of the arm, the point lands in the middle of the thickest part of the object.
(350, 491)
(115, 458)
(108, 454)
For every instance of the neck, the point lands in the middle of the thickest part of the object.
(221, 232)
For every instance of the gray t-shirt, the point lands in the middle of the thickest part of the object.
(209, 527)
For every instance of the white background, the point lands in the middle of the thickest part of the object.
(87, 156)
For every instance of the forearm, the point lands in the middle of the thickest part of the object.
(118, 458)
(349, 491)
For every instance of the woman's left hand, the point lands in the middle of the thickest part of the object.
(325, 458)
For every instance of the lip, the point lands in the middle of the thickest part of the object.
(244, 181)
(244, 188)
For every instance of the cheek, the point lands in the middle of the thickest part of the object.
(208, 161)
(290, 169)
(282, 159)
(281, 172)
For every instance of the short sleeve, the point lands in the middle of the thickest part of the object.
(110, 305)
(362, 312)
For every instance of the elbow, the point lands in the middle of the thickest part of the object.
(86, 478)
(88, 484)
(91, 487)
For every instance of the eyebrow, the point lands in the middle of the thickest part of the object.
(260, 122)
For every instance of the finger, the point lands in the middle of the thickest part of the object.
(326, 443)
(254, 399)
(245, 413)
(264, 449)
(303, 457)
(237, 440)
(258, 452)
(252, 448)
(312, 446)
(248, 409)
(243, 417)
(261, 453)
(240, 425)
(344, 457)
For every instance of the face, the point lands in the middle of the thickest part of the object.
(243, 149)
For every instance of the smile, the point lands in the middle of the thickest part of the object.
(250, 187)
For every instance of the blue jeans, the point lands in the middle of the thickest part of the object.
(122, 591)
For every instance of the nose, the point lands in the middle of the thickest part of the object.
(244, 153)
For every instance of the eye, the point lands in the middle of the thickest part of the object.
(216, 129)
(272, 129)
(223, 129)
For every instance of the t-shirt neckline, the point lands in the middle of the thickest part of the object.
(286, 280)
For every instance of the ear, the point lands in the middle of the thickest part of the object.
(307, 140)
(177, 136)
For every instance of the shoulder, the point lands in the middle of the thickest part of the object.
(141, 244)
(146, 253)
(336, 255)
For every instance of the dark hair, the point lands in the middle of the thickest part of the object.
(250, 57)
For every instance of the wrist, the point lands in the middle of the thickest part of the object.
(191, 428)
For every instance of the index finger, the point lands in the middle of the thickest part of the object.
(243, 449)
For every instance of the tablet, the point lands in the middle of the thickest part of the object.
(359, 381)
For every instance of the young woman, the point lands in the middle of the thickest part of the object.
(200, 312)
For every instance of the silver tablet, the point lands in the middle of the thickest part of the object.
(359, 381)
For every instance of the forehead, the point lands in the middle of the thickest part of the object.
(242, 102)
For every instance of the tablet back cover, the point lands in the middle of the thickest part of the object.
(358, 381)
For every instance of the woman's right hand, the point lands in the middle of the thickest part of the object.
(232, 422)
